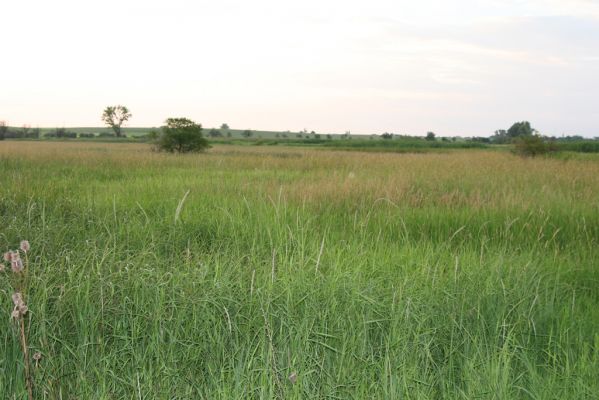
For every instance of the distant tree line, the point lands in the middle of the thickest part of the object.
(23, 132)
(183, 135)
(27, 132)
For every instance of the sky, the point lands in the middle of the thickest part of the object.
(454, 67)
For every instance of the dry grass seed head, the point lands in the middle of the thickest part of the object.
(25, 246)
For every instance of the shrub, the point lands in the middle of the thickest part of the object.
(61, 133)
(530, 146)
(215, 133)
(181, 135)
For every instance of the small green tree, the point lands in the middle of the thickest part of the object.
(430, 136)
(530, 146)
(181, 135)
(247, 133)
(115, 116)
(224, 126)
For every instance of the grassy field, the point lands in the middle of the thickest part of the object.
(471, 274)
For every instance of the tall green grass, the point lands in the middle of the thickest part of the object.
(459, 276)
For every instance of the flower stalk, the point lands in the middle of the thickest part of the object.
(19, 269)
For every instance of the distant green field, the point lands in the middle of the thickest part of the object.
(280, 272)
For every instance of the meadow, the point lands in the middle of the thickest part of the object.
(259, 272)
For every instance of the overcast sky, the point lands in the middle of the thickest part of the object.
(456, 67)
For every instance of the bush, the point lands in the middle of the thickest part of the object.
(181, 135)
(215, 133)
(531, 146)
(61, 133)
(86, 135)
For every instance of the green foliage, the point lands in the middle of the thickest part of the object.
(215, 133)
(531, 145)
(181, 135)
(115, 116)
(224, 126)
(430, 136)
(500, 137)
(247, 133)
(517, 130)
(580, 146)
(401, 144)
(3, 129)
(520, 129)
(153, 134)
(61, 133)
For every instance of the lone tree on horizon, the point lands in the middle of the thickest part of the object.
(181, 135)
(115, 116)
